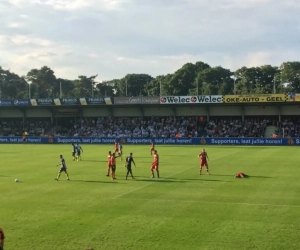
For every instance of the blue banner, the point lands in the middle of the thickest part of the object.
(57, 102)
(158, 141)
(6, 102)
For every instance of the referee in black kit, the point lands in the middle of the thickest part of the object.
(129, 161)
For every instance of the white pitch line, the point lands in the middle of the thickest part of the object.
(220, 202)
(136, 189)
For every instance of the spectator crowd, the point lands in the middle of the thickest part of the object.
(166, 127)
(237, 128)
(134, 127)
(16, 127)
(289, 127)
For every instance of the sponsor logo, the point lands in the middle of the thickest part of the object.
(150, 100)
(254, 98)
(45, 101)
(136, 100)
(191, 99)
(21, 102)
(95, 100)
(6, 102)
(70, 101)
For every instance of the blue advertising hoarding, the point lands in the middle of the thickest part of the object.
(56, 102)
(158, 141)
(6, 102)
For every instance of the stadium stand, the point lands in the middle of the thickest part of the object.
(165, 127)
(15, 127)
(168, 127)
(288, 127)
(134, 127)
(235, 127)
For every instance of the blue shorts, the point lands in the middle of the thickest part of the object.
(63, 169)
(78, 153)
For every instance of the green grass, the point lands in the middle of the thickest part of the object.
(182, 210)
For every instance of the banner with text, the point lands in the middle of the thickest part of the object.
(57, 102)
(136, 100)
(6, 103)
(158, 141)
(254, 98)
(96, 101)
(191, 99)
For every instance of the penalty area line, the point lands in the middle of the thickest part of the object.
(182, 171)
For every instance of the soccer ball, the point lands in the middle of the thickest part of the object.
(16, 180)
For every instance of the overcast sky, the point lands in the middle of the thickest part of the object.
(114, 37)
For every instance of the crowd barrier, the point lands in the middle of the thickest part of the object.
(158, 141)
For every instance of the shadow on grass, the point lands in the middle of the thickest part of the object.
(159, 180)
(249, 176)
(203, 180)
(106, 182)
(254, 176)
(92, 161)
(151, 157)
(199, 179)
(138, 157)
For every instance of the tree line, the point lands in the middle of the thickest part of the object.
(191, 79)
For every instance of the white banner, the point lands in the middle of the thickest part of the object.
(191, 99)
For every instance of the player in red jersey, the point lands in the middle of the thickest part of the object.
(113, 166)
(241, 175)
(152, 149)
(2, 237)
(155, 164)
(116, 146)
(108, 163)
(204, 161)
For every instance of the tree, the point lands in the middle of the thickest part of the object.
(268, 79)
(43, 80)
(64, 87)
(182, 80)
(133, 85)
(198, 81)
(155, 86)
(84, 86)
(12, 86)
(191, 79)
(165, 86)
(290, 76)
(200, 66)
(106, 88)
(214, 81)
(245, 80)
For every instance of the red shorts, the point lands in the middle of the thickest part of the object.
(203, 163)
(116, 150)
(152, 149)
(154, 166)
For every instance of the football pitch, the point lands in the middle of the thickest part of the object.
(181, 210)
